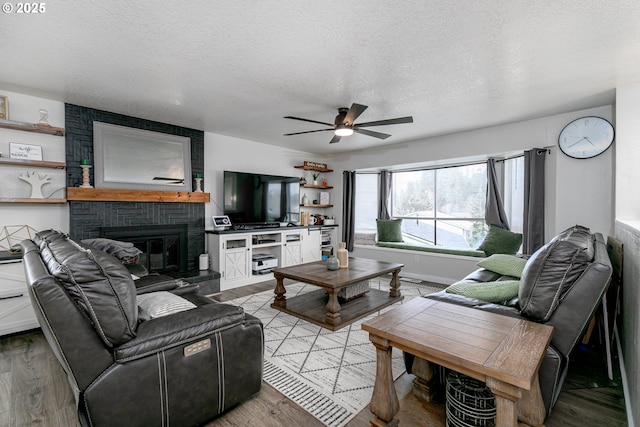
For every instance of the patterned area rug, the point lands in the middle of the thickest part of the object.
(329, 374)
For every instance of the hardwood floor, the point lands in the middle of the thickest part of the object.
(34, 391)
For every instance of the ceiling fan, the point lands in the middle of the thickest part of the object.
(344, 124)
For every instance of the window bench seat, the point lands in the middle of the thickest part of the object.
(434, 249)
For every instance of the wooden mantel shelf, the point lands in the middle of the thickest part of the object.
(118, 195)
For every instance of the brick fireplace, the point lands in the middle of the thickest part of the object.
(88, 218)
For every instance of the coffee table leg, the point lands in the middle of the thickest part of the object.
(280, 300)
(384, 400)
(332, 308)
(395, 284)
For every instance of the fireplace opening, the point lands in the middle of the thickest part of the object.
(164, 247)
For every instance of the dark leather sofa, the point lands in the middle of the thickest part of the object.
(180, 369)
(561, 285)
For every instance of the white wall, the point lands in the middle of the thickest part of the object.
(627, 216)
(234, 154)
(39, 216)
(578, 191)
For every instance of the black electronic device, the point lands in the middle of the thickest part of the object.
(260, 200)
(221, 222)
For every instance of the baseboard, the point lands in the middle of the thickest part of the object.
(625, 381)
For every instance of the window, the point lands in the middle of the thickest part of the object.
(442, 206)
(514, 192)
(366, 208)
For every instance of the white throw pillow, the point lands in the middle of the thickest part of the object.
(161, 303)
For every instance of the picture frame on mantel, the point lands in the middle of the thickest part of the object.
(138, 159)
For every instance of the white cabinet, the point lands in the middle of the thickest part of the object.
(231, 252)
(234, 260)
(16, 312)
(292, 248)
(311, 250)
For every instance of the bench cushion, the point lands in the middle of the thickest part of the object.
(434, 249)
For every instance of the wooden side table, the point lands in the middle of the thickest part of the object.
(503, 352)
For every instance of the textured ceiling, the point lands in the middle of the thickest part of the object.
(237, 67)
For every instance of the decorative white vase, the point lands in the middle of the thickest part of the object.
(343, 255)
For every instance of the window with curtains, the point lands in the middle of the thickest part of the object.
(441, 206)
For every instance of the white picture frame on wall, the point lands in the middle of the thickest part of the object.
(20, 151)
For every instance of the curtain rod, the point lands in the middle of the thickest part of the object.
(546, 149)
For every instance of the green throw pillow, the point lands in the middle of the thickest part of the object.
(500, 241)
(389, 230)
(499, 292)
(507, 265)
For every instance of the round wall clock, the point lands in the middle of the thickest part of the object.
(586, 137)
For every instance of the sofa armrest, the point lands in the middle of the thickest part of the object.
(180, 328)
(155, 283)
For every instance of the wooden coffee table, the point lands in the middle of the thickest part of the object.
(322, 306)
(502, 351)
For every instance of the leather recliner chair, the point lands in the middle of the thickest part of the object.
(179, 369)
(561, 285)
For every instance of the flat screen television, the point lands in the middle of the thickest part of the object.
(259, 199)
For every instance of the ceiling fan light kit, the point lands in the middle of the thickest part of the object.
(342, 130)
(344, 124)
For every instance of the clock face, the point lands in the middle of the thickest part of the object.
(586, 137)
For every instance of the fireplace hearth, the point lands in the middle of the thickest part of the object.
(164, 247)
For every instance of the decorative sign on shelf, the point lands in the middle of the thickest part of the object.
(315, 165)
(25, 151)
(4, 107)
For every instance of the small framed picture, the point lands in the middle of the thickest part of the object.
(4, 107)
(25, 151)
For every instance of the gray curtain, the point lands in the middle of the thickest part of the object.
(384, 190)
(494, 213)
(533, 221)
(348, 208)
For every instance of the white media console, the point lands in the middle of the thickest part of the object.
(232, 252)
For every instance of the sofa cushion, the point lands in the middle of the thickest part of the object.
(100, 285)
(552, 271)
(389, 230)
(507, 265)
(500, 241)
(498, 291)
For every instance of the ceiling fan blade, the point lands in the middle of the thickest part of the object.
(354, 112)
(335, 139)
(399, 120)
(309, 131)
(307, 120)
(372, 133)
